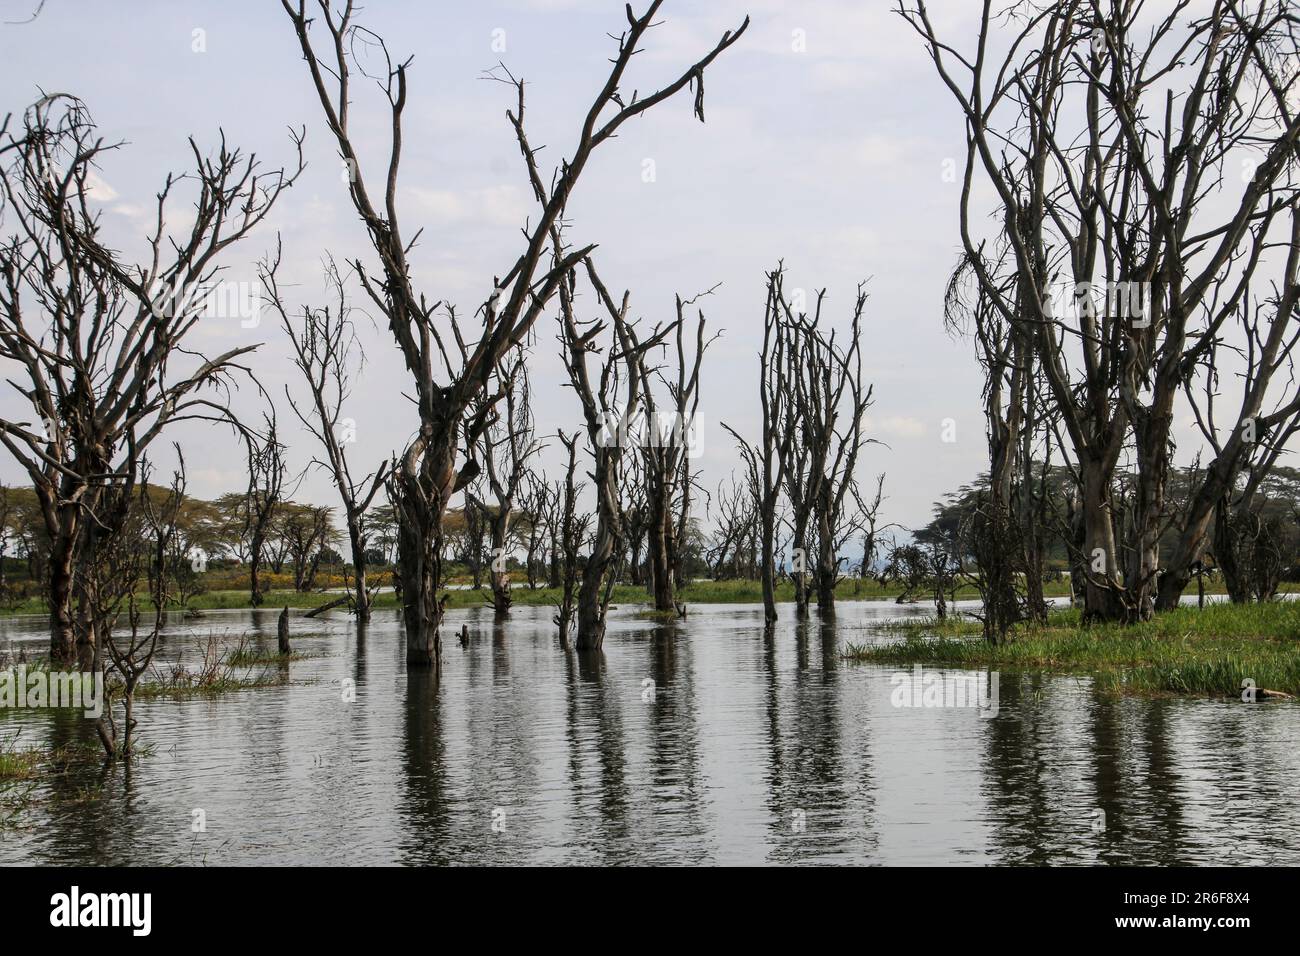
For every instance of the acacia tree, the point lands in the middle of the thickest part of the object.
(428, 472)
(1106, 183)
(325, 351)
(100, 344)
(307, 529)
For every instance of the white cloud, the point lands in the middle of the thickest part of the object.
(903, 426)
(504, 205)
(99, 190)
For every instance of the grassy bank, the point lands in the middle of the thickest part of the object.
(697, 592)
(1209, 651)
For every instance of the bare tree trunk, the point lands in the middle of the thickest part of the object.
(826, 591)
(1225, 555)
(569, 534)
(62, 632)
(1151, 432)
(418, 498)
(553, 578)
(592, 604)
(254, 573)
(1102, 595)
(357, 545)
(661, 578)
(499, 576)
(767, 565)
(799, 570)
(282, 632)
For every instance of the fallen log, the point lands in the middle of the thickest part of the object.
(328, 607)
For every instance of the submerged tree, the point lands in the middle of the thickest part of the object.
(768, 459)
(827, 403)
(666, 453)
(611, 402)
(102, 342)
(262, 501)
(571, 528)
(506, 448)
(428, 472)
(1109, 134)
(128, 652)
(326, 354)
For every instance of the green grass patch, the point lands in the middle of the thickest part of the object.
(663, 617)
(696, 592)
(180, 683)
(1187, 651)
(252, 657)
(17, 763)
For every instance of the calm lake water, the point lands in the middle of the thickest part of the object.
(746, 749)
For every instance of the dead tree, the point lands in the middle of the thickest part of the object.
(507, 446)
(428, 474)
(611, 401)
(636, 520)
(870, 531)
(1104, 178)
(1262, 423)
(942, 573)
(118, 567)
(100, 344)
(283, 647)
(666, 453)
(735, 517)
(1001, 518)
(767, 460)
(828, 401)
(263, 499)
(535, 510)
(572, 528)
(554, 504)
(325, 352)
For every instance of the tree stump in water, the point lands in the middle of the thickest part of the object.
(282, 631)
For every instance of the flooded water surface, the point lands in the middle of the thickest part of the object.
(704, 741)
